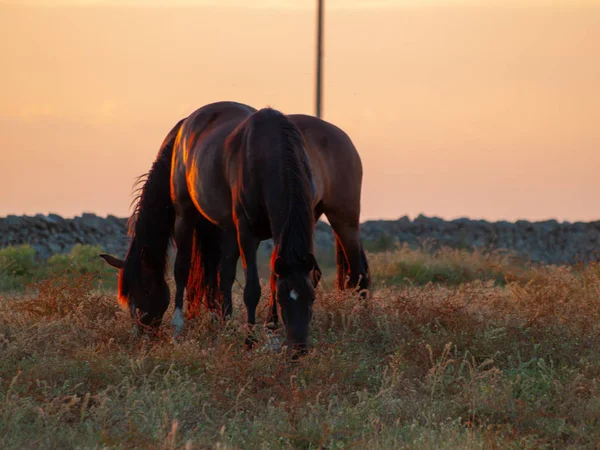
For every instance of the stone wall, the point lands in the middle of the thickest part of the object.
(53, 234)
(547, 242)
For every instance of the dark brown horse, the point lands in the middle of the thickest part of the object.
(337, 173)
(188, 194)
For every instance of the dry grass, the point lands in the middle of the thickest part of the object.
(463, 365)
(445, 265)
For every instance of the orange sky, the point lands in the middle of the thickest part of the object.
(457, 109)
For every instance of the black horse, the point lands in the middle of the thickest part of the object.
(249, 176)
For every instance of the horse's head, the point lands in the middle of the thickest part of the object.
(295, 295)
(142, 291)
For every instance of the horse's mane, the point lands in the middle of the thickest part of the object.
(151, 223)
(146, 203)
(292, 237)
(135, 205)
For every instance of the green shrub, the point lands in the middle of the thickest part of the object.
(82, 259)
(18, 266)
(384, 242)
(59, 262)
(17, 261)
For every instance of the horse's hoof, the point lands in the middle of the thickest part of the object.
(297, 354)
(177, 322)
(250, 342)
(273, 343)
(273, 326)
(175, 339)
(176, 336)
(177, 332)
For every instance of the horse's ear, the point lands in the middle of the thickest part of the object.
(112, 261)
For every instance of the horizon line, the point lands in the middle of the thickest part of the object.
(410, 217)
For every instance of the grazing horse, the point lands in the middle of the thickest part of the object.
(337, 173)
(178, 200)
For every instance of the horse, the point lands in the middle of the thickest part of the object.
(337, 170)
(169, 206)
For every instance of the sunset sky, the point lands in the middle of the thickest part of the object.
(476, 109)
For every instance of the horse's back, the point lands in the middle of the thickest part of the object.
(336, 164)
(274, 168)
(196, 157)
(268, 129)
(326, 138)
(206, 118)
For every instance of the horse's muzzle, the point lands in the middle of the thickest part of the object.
(297, 340)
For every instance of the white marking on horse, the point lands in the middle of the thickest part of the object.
(177, 321)
(294, 295)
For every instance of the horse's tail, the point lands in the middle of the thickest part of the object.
(342, 264)
(203, 281)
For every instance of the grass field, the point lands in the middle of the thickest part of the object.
(453, 350)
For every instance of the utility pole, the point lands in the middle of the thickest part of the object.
(319, 90)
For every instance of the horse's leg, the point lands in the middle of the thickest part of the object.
(348, 245)
(229, 257)
(184, 234)
(316, 275)
(272, 321)
(248, 245)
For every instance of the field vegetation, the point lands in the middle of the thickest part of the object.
(454, 349)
